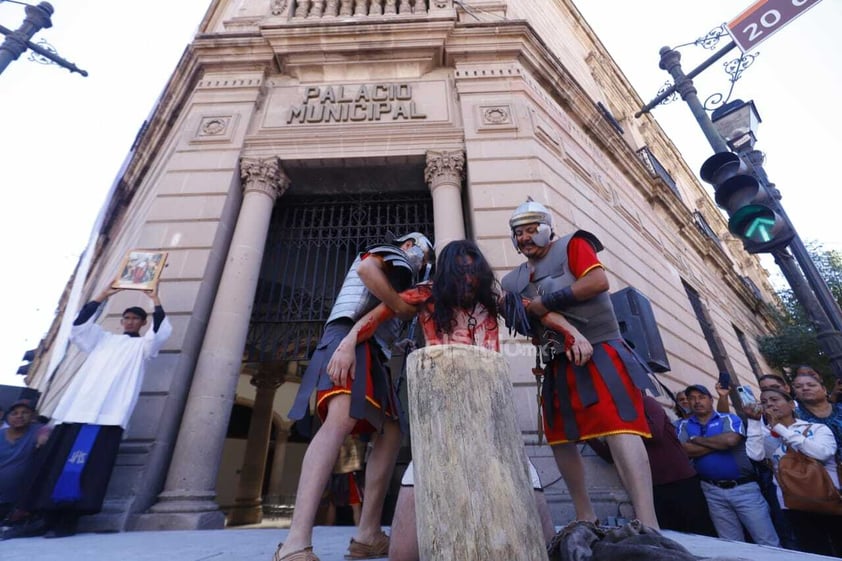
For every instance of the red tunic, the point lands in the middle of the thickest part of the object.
(600, 418)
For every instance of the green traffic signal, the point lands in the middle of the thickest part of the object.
(761, 227)
(752, 210)
(754, 222)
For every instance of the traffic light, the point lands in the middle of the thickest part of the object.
(751, 209)
(28, 357)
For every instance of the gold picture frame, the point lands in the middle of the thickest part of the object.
(140, 270)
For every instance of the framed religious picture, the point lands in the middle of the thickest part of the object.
(141, 269)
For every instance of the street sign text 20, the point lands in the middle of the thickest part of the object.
(763, 18)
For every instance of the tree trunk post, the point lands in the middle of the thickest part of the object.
(473, 495)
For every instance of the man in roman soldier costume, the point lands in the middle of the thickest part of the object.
(590, 393)
(459, 306)
(362, 402)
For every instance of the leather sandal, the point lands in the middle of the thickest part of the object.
(305, 554)
(377, 549)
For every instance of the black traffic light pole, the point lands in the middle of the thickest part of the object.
(797, 247)
(828, 331)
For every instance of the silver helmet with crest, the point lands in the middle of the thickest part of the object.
(532, 212)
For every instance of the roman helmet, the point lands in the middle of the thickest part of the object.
(423, 244)
(531, 212)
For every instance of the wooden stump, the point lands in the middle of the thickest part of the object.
(473, 495)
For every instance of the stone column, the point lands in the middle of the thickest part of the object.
(444, 174)
(187, 501)
(247, 504)
(274, 498)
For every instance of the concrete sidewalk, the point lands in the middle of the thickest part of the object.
(259, 544)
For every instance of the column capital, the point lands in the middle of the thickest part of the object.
(264, 175)
(447, 166)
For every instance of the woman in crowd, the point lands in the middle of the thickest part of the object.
(814, 405)
(816, 533)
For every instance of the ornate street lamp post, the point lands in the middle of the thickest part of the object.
(752, 201)
(18, 41)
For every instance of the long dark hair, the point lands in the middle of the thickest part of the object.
(458, 259)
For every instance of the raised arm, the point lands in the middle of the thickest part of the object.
(158, 313)
(722, 403)
(373, 274)
(89, 309)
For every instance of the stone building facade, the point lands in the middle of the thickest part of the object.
(293, 133)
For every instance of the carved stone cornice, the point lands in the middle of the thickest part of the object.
(447, 166)
(264, 175)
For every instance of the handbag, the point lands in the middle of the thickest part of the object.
(806, 485)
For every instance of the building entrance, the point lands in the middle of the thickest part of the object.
(312, 241)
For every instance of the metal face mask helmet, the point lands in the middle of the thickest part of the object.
(415, 254)
(531, 212)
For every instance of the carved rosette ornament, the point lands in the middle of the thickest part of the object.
(265, 176)
(497, 115)
(446, 167)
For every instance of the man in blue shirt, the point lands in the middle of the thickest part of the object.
(18, 441)
(716, 444)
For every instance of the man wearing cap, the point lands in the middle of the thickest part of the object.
(364, 403)
(585, 394)
(716, 444)
(93, 412)
(18, 442)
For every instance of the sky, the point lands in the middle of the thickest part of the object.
(63, 137)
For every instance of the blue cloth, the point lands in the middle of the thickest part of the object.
(16, 462)
(720, 464)
(743, 505)
(68, 486)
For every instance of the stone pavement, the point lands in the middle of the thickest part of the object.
(258, 545)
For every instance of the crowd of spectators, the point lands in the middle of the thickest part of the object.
(736, 459)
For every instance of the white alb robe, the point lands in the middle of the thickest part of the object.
(105, 389)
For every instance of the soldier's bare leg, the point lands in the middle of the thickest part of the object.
(632, 463)
(572, 469)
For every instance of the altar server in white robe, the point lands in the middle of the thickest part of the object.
(93, 412)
